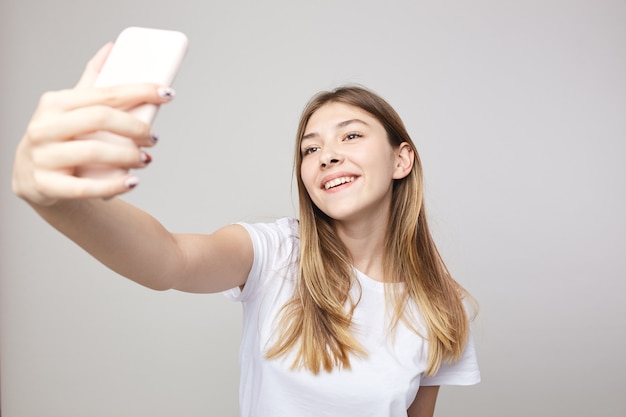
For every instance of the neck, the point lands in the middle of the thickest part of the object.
(366, 244)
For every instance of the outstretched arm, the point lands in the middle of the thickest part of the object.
(135, 245)
(124, 238)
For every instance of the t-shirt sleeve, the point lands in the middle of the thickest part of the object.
(271, 242)
(462, 372)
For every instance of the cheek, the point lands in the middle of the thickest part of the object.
(307, 176)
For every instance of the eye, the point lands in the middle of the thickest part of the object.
(310, 150)
(352, 136)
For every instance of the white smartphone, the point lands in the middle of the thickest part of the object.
(139, 55)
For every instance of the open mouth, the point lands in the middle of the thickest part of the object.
(337, 182)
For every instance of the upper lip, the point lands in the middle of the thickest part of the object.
(330, 177)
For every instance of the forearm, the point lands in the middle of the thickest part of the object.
(424, 403)
(124, 238)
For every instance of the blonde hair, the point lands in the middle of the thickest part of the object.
(317, 320)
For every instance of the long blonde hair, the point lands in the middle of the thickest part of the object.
(317, 320)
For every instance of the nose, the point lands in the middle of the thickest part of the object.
(329, 157)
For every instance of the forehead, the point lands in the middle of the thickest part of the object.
(332, 115)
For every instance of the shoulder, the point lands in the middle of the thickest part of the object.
(285, 226)
(275, 243)
(276, 251)
(283, 232)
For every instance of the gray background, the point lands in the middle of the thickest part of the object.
(519, 112)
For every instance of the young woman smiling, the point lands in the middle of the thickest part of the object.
(348, 310)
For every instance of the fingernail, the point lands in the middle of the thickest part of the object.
(166, 92)
(132, 182)
(146, 158)
(154, 137)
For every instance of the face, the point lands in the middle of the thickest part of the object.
(348, 165)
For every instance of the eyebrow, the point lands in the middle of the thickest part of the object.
(337, 126)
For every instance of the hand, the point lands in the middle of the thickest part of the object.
(48, 156)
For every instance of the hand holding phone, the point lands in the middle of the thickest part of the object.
(139, 55)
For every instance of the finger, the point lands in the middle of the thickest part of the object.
(82, 121)
(120, 96)
(58, 186)
(58, 156)
(93, 67)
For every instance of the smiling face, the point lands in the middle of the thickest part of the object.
(348, 164)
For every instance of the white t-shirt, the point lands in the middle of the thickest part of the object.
(382, 384)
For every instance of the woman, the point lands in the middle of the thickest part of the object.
(348, 311)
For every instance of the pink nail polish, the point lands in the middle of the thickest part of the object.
(132, 182)
(166, 92)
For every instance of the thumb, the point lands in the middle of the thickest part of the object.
(93, 67)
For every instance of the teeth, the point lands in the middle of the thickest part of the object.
(338, 181)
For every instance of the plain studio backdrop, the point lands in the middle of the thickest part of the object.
(519, 112)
